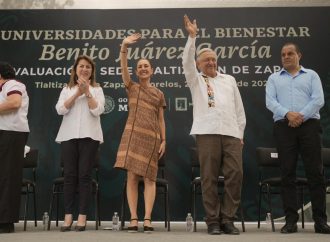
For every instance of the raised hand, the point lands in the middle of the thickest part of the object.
(191, 27)
(132, 39)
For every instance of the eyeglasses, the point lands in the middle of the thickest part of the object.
(210, 92)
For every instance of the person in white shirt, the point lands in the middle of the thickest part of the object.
(81, 103)
(218, 124)
(14, 130)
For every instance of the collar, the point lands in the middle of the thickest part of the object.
(302, 70)
(206, 76)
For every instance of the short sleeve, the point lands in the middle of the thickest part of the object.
(130, 84)
(14, 87)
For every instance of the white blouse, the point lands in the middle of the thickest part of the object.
(79, 121)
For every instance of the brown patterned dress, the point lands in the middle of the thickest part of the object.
(140, 142)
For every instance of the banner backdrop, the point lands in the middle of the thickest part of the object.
(43, 44)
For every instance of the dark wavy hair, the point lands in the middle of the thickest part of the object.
(137, 63)
(7, 71)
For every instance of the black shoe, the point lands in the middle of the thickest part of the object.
(66, 228)
(229, 228)
(132, 229)
(147, 229)
(213, 229)
(7, 228)
(79, 228)
(289, 228)
(322, 228)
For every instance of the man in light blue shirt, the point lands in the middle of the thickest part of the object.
(295, 96)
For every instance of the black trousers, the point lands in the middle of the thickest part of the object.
(11, 162)
(306, 141)
(78, 156)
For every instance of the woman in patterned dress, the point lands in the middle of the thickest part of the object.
(143, 140)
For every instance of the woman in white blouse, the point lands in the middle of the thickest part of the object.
(81, 103)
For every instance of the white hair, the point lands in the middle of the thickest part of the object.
(203, 50)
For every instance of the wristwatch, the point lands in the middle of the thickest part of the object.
(88, 95)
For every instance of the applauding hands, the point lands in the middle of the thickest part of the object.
(83, 86)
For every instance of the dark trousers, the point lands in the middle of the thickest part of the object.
(11, 171)
(78, 156)
(306, 141)
(220, 155)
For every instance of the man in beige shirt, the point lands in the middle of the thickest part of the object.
(218, 124)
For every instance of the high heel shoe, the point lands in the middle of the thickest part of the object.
(147, 229)
(132, 229)
(81, 219)
(79, 228)
(66, 228)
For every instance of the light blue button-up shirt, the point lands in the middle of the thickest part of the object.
(301, 93)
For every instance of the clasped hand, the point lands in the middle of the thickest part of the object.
(295, 119)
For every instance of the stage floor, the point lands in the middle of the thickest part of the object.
(177, 234)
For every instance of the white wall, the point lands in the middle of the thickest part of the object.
(195, 3)
(135, 4)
